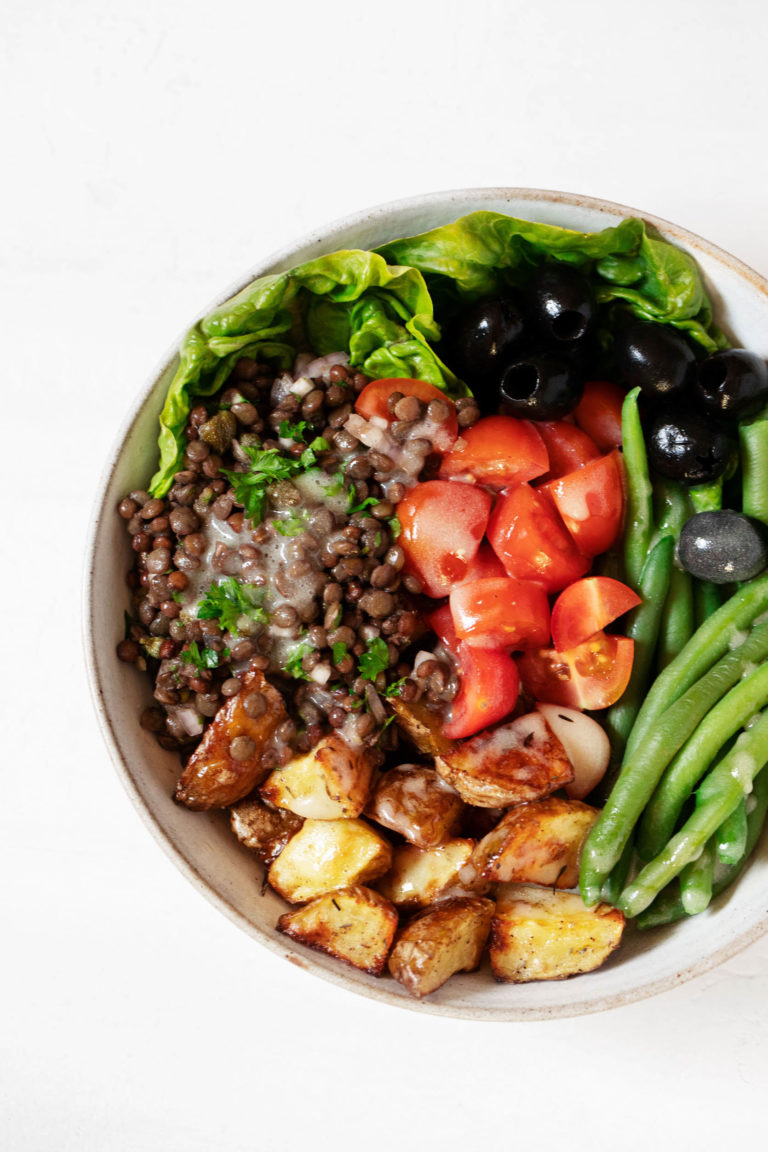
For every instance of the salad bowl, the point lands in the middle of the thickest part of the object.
(201, 844)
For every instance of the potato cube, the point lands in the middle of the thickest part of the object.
(510, 764)
(354, 924)
(328, 854)
(538, 934)
(266, 830)
(419, 876)
(214, 777)
(328, 783)
(437, 943)
(422, 726)
(417, 803)
(537, 843)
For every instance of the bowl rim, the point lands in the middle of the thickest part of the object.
(323, 236)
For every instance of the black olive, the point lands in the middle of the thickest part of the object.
(481, 338)
(541, 386)
(562, 303)
(686, 447)
(723, 546)
(733, 384)
(654, 358)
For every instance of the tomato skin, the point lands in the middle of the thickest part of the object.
(587, 607)
(598, 413)
(372, 402)
(501, 613)
(498, 451)
(567, 446)
(591, 502)
(489, 681)
(591, 676)
(527, 534)
(442, 525)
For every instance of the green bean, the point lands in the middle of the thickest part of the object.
(667, 907)
(697, 880)
(705, 647)
(677, 620)
(643, 628)
(727, 718)
(731, 836)
(707, 599)
(643, 769)
(638, 523)
(707, 497)
(717, 797)
(753, 449)
(617, 878)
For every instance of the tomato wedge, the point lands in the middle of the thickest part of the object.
(501, 613)
(498, 451)
(484, 565)
(598, 413)
(591, 676)
(442, 526)
(372, 403)
(588, 606)
(527, 534)
(489, 681)
(590, 502)
(567, 446)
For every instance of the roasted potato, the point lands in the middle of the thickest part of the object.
(538, 934)
(509, 764)
(537, 843)
(264, 829)
(214, 777)
(437, 943)
(417, 803)
(354, 924)
(328, 783)
(328, 854)
(422, 727)
(419, 876)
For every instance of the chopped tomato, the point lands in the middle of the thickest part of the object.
(590, 502)
(497, 451)
(588, 606)
(372, 403)
(442, 526)
(484, 565)
(527, 534)
(568, 447)
(598, 413)
(590, 676)
(489, 681)
(501, 613)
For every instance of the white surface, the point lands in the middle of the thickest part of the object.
(151, 153)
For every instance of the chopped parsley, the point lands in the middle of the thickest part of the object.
(293, 526)
(340, 651)
(375, 659)
(267, 466)
(228, 600)
(395, 527)
(292, 665)
(336, 486)
(352, 507)
(395, 687)
(205, 658)
(290, 431)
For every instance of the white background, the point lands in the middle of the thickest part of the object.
(151, 152)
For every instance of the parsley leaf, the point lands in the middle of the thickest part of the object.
(308, 457)
(374, 660)
(395, 687)
(395, 527)
(207, 658)
(228, 600)
(290, 431)
(293, 526)
(352, 507)
(340, 651)
(250, 488)
(337, 486)
(292, 666)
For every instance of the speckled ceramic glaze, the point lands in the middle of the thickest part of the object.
(202, 845)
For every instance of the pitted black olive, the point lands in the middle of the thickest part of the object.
(723, 546)
(562, 304)
(686, 447)
(482, 337)
(733, 384)
(654, 358)
(541, 386)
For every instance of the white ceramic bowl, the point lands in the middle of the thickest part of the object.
(202, 845)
